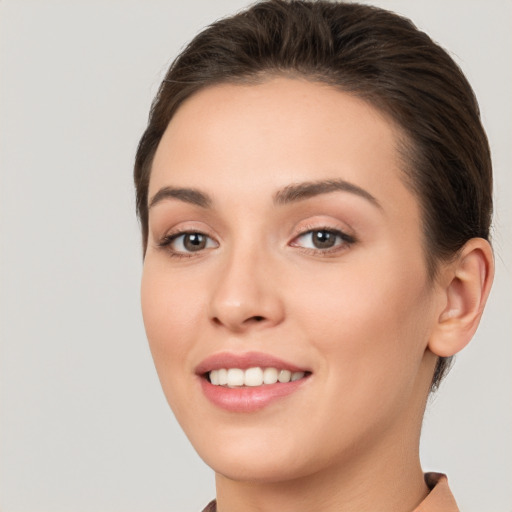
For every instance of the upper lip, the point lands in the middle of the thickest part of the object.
(243, 361)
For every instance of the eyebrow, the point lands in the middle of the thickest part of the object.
(187, 195)
(305, 190)
(289, 194)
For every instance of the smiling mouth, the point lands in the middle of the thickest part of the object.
(252, 377)
(248, 382)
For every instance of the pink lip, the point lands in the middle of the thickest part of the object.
(246, 399)
(244, 361)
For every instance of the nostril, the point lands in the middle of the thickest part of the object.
(249, 320)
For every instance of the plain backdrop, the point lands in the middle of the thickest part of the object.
(84, 425)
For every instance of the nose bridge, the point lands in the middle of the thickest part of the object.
(244, 294)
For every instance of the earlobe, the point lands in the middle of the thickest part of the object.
(467, 284)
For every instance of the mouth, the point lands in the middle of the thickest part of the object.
(248, 382)
(252, 377)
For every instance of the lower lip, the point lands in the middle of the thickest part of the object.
(248, 399)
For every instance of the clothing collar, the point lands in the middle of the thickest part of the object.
(439, 499)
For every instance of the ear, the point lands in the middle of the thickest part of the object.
(466, 283)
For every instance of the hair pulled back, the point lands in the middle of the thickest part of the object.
(376, 55)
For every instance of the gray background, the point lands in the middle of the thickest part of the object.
(84, 425)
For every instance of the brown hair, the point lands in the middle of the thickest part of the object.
(371, 53)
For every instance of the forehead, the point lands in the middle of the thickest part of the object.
(244, 139)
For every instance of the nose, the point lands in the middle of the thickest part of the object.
(246, 295)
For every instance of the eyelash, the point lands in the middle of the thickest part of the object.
(346, 241)
(166, 242)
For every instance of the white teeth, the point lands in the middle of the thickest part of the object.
(235, 377)
(269, 376)
(284, 376)
(252, 377)
(223, 377)
(214, 377)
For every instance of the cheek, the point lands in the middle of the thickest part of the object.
(370, 320)
(170, 309)
(370, 331)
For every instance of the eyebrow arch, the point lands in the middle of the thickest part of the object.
(305, 190)
(187, 195)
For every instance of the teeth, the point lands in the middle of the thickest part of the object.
(223, 377)
(235, 377)
(269, 376)
(214, 377)
(253, 377)
(284, 376)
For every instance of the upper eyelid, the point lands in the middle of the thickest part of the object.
(185, 227)
(323, 226)
(171, 236)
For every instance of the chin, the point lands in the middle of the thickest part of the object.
(261, 458)
(257, 470)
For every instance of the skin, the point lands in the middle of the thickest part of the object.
(363, 317)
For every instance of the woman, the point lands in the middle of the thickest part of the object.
(314, 188)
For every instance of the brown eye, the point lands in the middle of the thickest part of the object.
(323, 239)
(194, 241)
(189, 242)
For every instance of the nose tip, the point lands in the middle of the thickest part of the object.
(246, 300)
(240, 317)
(236, 323)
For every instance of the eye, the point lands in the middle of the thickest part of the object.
(322, 239)
(189, 242)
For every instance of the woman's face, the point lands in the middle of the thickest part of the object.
(283, 242)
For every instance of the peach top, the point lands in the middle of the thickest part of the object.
(440, 498)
